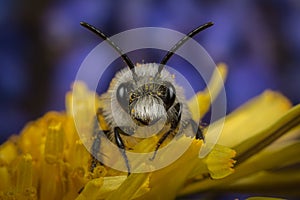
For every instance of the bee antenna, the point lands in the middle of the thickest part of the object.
(171, 52)
(125, 58)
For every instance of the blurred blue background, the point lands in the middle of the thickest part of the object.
(43, 45)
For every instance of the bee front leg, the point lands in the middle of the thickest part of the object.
(95, 149)
(120, 144)
(174, 125)
(197, 130)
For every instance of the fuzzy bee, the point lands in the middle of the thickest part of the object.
(145, 98)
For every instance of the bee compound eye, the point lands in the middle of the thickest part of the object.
(168, 94)
(123, 95)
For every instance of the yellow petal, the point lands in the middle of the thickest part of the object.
(283, 183)
(91, 189)
(134, 186)
(200, 104)
(264, 138)
(273, 168)
(53, 169)
(81, 99)
(32, 138)
(111, 184)
(8, 152)
(54, 142)
(76, 181)
(219, 162)
(278, 105)
(264, 159)
(78, 156)
(253, 117)
(5, 183)
(115, 187)
(24, 174)
(82, 105)
(166, 182)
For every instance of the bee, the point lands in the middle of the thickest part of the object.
(143, 95)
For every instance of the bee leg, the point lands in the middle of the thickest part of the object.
(95, 149)
(120, 144)
(197, 129)
(174, 125)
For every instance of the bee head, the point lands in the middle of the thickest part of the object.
(146, 95)
(146, 102)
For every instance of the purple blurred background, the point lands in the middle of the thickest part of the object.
(43, 45)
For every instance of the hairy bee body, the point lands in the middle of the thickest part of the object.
(148, 105)
(143, 100)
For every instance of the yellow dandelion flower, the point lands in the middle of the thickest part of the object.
(256, 152)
